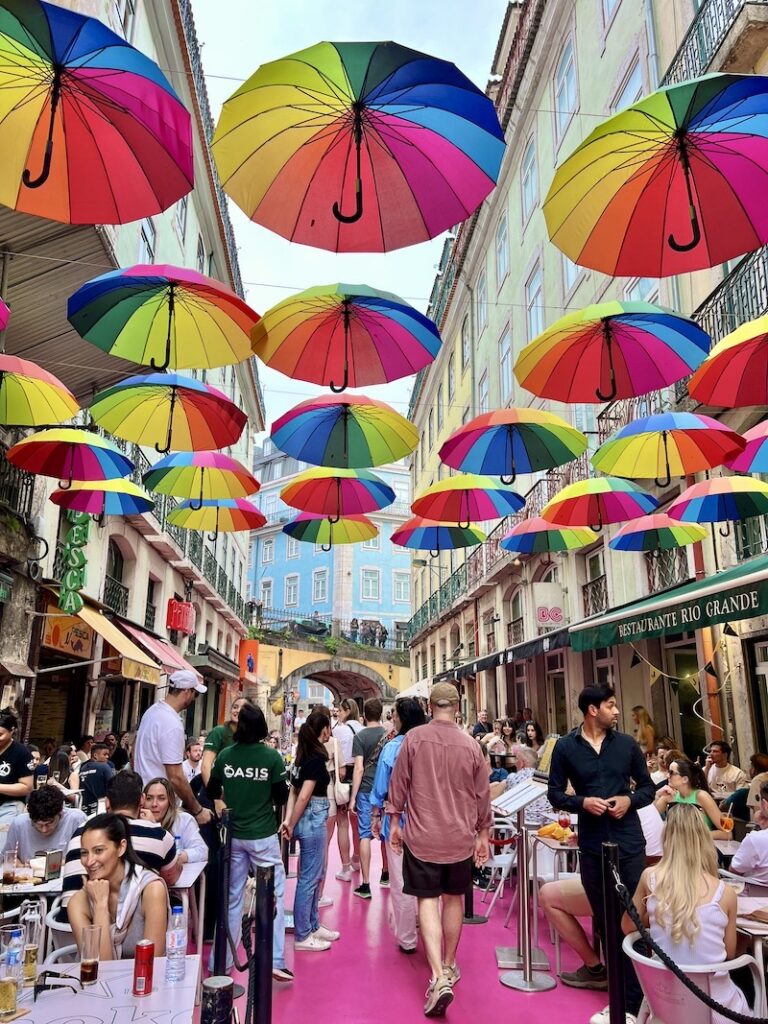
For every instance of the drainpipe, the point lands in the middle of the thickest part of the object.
(653, 55)
(5, 261)
(706, 639)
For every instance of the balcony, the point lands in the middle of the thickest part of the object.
(666, 569)
(751, 537)
(59, 563)
(115, 595)
(729, 33)
(16, 488)
(515, 632)
(595, 596)
(150, 614)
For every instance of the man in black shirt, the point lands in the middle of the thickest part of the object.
(601, 765)
(95, 775)
(16, 770)
(482, 726)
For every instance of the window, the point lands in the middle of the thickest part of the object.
(269, 506)
(291, 591)
(291, 547)
(267, 551)
(371, 585)
(483, 403)
(180, 216)
(266, 593)
(451, 378)
(319, 586)
(571, 273)
(402, 587)
(534, 310)
(565, 91)
(481, 300)
(631, 88)
(466, 341)
(200, 258)
(609, 6)
(505, 362)
(126, 15)
(440, 407)
(465, 416)
(644, 289)
(431, 429)
(372, 544)
(147, 241)
(402, 489)
(502, 251)
(595, 565)
(530, 180)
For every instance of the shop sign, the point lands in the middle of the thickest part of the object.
(73, 577)
(180, 616)
(67, 634)
(548, 603)
(143, 673)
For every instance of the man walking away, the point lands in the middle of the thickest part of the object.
(600, 763)
(95, 775)
(440, 776)
(366, 747)
(220, 737)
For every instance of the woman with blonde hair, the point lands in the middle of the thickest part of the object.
(645, 730)
(160, 801)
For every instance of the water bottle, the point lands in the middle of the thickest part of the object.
(176, 946)
(179, 844)
(14, 956)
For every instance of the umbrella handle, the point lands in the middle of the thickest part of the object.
(213, 537)
(196, 504)
(45, 171)
(725, 532)
(65, 485)
(334, 519)
(695, 237)
(357, 130)
(507, 480)
(158, 449)
(351, 218)
(99, 520)
(326, 547)
(167, 361)
(609, 350)
(665, 482)
(465, 526)
(435, 554)
(337, 390)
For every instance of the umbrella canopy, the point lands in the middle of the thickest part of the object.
(218, 515)
(726, 498)
(104, 498)
(91, 131)
(671, 184)
(168, 411)
(657, 532)
(536, 535)
(597, 502)
(733, 374)
(426, 535)
(163, 316)
(506, 442)
(358, 147)
(200, 475)
(611, 350)
(30, 396)
(349, 432)
(316, 529)
(668, 444)
(754, 458)
(68, 454)
(466, 499)
(345, 335)
(4, 315)
(337, 492)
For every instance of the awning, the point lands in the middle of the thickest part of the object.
(213, 663)
(134, 662)
(730, 595)
(169, 658)
(553, 641)
(479, 665)
(420, 689)
(16, 668)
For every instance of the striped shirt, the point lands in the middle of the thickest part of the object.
(154, 847)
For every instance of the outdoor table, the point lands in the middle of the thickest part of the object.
(558, 849)
(756, 931)
(52, 888)
(191, 874)
(727, 848)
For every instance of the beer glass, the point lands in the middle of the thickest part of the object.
(89, 959)
(11, 968)
(31, 918)
(9, 866)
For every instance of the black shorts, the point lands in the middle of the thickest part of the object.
(428, 880)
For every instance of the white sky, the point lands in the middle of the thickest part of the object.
(233, 46)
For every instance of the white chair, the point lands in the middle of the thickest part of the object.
(752, 886)
(500, 864)
(667, 999)
(64, 954)
(59, 933)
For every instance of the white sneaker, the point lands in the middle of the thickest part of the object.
(312, 944)
(325, 901)
(604, 1017)
(326, 934)
(345, 875)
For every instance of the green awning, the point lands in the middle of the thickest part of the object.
(730, 595)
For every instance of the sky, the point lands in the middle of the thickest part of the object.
(252, 34)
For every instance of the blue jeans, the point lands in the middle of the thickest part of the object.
(310, 832)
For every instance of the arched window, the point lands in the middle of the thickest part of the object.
(115, 562)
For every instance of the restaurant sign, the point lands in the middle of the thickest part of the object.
(67, 633)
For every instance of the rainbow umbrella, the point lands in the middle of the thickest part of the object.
(506, 442)
(337, 492)
(30, 396)
(91, 131)
(209, 474)
(178, 411)
(104, 498)
(4, 315)
(345, 332)
(657, 532)
(721, 500)
(611, 350)
(597, 502)
(754, 458)
(733, 374)
(672, 443)
(318, 530)
(426, 535)
(68, 454)
(352, 433)
(358, 147)
(218, 515)
(163, 316)
(466, 499)
(536, 535)
(671, 184)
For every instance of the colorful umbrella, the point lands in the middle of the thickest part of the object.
(337, 492)
(536, 535)
(345, 332)
(178, 411)
(426, 535)
(611, 350)
(163, 316)
(358, 147)
(671, 184)
(352, 433)
(104, 498)
(672, 443)
(754, 458)
(720, 500)
(506, 442)
(219, 515)
(657, 532)
(209, 474)
(466, 499)
(91, 131)
(318, 530)
(597, 502)
(733, 374)
(4, 315)
(30, 396)
(68, 454)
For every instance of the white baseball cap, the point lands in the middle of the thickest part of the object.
(185, 679)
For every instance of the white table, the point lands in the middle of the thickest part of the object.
(728, 847)
(191, 874)
(52, 888)
(756, 931)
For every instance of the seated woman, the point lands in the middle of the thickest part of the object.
(62, 774)
(129, 901)
(534, 735)
(687, 785)
(160, 801)
(526, 759)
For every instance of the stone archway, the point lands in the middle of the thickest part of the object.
(343, 677)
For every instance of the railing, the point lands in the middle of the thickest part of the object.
(666, 569)
(751, 537)
(16, 487)
(115, 595)
(741, 296)
(595, 596)
(618, 414)
(515, 632)
(704, 38)
(363, 632)
(528, 21)
(150, 614)
(59, 563)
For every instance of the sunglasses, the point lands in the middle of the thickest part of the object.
(54, 981)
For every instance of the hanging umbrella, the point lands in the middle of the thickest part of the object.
(668, 444)
(352, 433)
(721, 500)
(30, 396)
(218, 515)
(734, 373)
(337, 492)
(506, 442)
(91, 131)
(536, 535)
(358, 147)
(597, 502)
(465, 499)
(4, 315)
(754, 458)
(68, 454)
(207, 474)
(168, 411)
(611, 350)
(104, 498)
(656, 532)
(426, 535)
(315, 529)
(345, 335)
(671, 184)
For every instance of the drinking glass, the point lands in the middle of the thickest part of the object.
(9, 991)
(89, 954)
(31, 918)
(12, 938)
(9, 867)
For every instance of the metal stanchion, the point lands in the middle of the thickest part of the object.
(614, 958)
(525, 980)
(259, 1006)
(222, 902)
(285, 854)
(511, 957)
(470, 917)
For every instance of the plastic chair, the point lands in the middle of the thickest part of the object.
(58, 933)
(752, 886)
(667, 999)
(500, 864)
(64, 954)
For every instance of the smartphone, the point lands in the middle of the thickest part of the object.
(53, 859)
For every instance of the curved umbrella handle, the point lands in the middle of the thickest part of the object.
(507, 480)
(64, 486)
(350, 218)
(611, 368)
(171, 305)
(45, 171)
(158, 449)
(162, 451)
(99, 520)
(197, 503)
(357, 130)
(343, 387)
(213, 537)
(725, 532)
(326, 547)
(695, 236)
(659, 481)
(435, 553)
(334, 519)
(160, 367)
(465, 526)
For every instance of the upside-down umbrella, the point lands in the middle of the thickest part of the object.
(163, 316)
(611, 350)
(200, 475)
(317, 529)
(668, 444)
(346, 431)
(4, 315)
(30, 396)
(507, 442)
(721, 500)
(358, 147)
(218, 515)
(465, 499)
(734, 373)
(536, 535)
(91, 131)
(167, 410)
(104, 498)
(426, 535)
(68, 454)
(597, 502)
(754, 458)
(337, 493)
(345, 335)
(671, 184)
(656, 532)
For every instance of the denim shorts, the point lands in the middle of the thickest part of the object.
(313, 819)
(363, 811)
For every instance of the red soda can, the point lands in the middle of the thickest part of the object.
(142, 967)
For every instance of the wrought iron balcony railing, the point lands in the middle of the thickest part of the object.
(515, 632)
(16, 487)
(115, 595)
(595, 596)
(666, 569)
(150, 614)
(704, 38)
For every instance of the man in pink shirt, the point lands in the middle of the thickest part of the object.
(441, 779)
